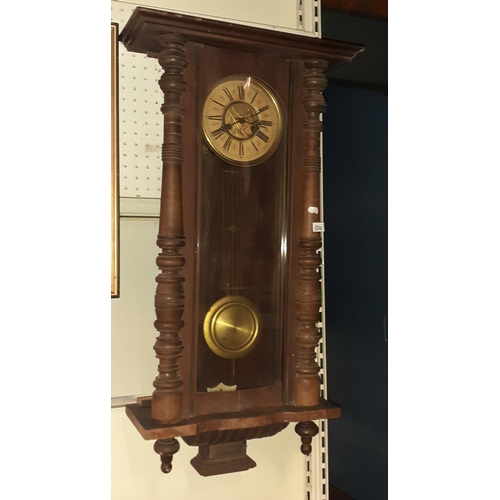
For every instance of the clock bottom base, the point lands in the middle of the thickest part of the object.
(222, 452)
(222, 437)
(224, 458)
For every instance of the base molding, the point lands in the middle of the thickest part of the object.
(140, 415)
(223, 458)
(223, 452)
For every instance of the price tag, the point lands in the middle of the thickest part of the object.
(318, 227)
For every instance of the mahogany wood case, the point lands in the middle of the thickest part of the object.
(273, 250)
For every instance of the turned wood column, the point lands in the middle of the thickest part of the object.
(307, 382)
(166, 405)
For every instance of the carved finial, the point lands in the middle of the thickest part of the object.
(166, 448)
(306, 431)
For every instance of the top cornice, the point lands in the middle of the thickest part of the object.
(145, 26)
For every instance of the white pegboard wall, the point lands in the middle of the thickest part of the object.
(140, 119)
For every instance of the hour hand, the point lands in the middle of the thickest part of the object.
(238, 119)
(251, 120)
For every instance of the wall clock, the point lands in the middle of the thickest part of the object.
(242, 120)
(238, 294)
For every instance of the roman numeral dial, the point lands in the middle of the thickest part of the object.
(242, 120)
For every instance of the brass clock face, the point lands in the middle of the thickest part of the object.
(242, 120)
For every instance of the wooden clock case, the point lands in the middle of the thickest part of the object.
(279, 382)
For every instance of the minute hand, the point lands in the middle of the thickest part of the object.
(258, 112)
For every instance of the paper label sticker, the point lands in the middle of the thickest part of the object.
(313, 210)
(318, 227)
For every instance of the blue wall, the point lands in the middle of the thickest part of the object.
(370, 66)
(355, 193)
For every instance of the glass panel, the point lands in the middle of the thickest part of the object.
(241, 245)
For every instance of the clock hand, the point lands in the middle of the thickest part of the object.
(234, 115)
(240, 123)
(239, 119)
(258, 112)
(252, 122)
